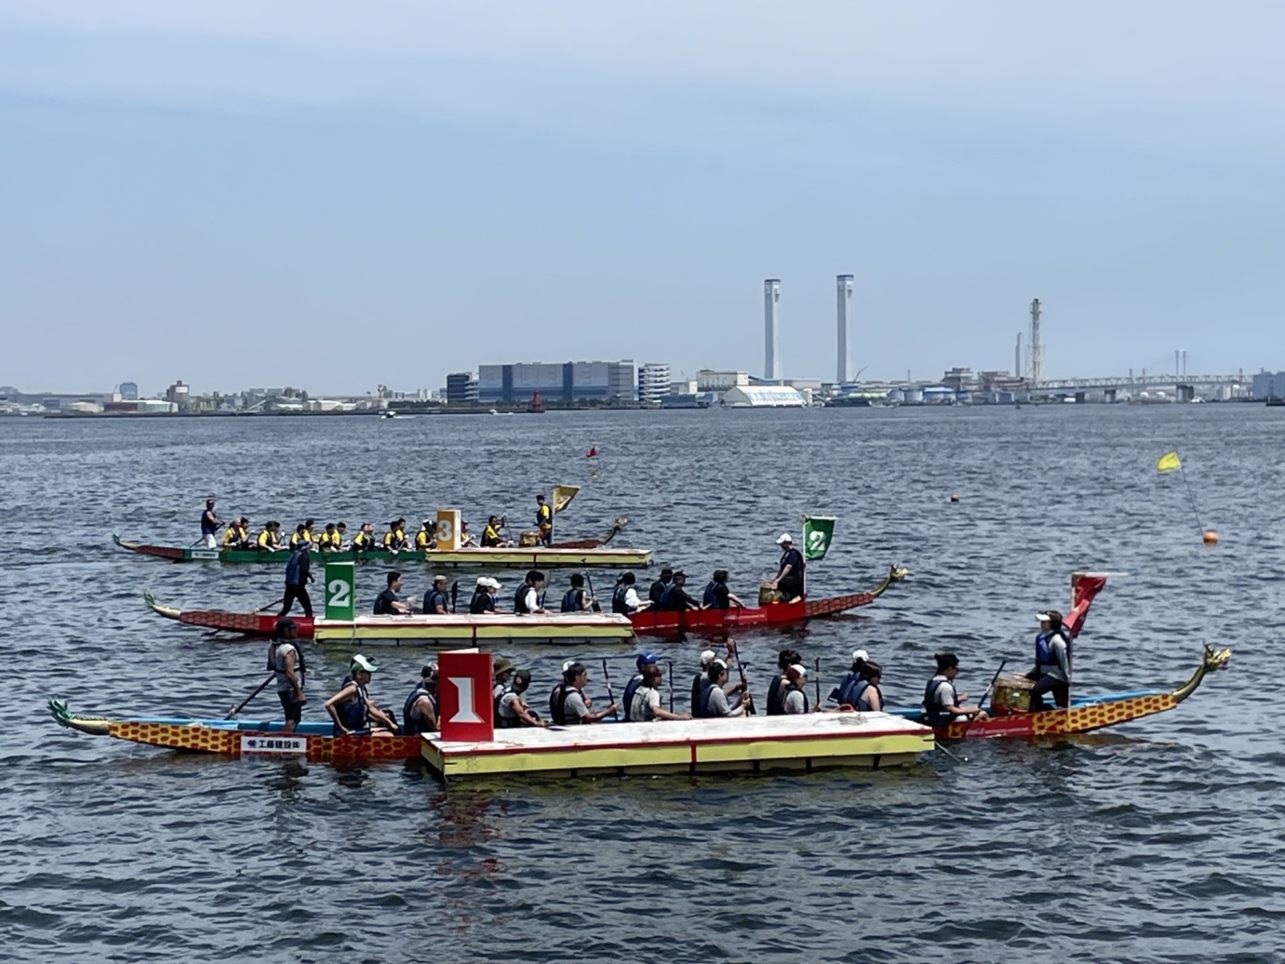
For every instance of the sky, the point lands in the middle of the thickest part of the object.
(333, 195)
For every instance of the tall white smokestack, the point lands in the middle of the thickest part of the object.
(843, 295)
(1017, 357)
(771, 351)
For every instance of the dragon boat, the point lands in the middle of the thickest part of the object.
(773, 614)
(514, 557)
(452, 629)
(1011, 716)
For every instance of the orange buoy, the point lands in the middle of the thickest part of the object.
(954, 497)
(1210, 537)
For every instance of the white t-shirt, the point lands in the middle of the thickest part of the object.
(507, 710)
(944, 695)
(574, 706)
(631, 598)
(646, 698)
(531, 599)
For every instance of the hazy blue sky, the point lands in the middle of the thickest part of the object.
(338, 194)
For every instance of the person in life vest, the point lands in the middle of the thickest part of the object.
(700, 679)
(210, 525)
(501, 673)
(436, 602)
(644, 705)
(526, 601)
(717, 595)
(943, 705)
(794, 696)
(577, 599)
(395, 537)
(426, 538)
(364, 540)
(285, 660)
(661, 586)
(352, 709)
(789, 577)
(340, 540)
(860, 688)
(298, 575)
(300, 537)
(568, 704)
(328, 540)
(388, 602)
(784, 660)
(1052, 672)
(483, 600)
(268, 540)
(624, 597)
(419, 712)
(713, 697)
(645, 662)
(491, 535)
(676, 598)
(511, 709)
(237, 535)
(544, 519)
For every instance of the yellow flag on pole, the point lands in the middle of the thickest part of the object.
(1168, 462)
(562, 496)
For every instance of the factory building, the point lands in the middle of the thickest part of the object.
(565, 381)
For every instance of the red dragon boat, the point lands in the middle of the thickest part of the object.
(774, 614)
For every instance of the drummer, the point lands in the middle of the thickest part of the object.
(943, 705)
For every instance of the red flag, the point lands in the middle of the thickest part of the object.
(593, 451)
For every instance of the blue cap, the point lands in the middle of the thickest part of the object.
(646, 657)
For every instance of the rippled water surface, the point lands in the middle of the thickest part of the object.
(1162, 840)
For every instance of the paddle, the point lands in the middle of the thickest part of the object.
(597, 606)
(245, 702)
(745, 683)
(981, 704)
(275, 602)
(670, 664)
(615, 714)
(816, 677)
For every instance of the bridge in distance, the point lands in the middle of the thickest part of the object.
(1139, 382)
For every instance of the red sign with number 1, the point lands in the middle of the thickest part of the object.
(464, 690)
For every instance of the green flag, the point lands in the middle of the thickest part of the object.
(818, 533)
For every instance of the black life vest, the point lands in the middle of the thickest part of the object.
(618, 604)
(434, 598)
(300, 666)
(558, 704)
(630, 689)
(571, 600)
(787, 689)
(519, 600)
(775, 701)
(410, 725)
(934, 715)
(482, 602)
(353, 714)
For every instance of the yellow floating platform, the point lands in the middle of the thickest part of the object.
(458, 629)
(536, 557)
(806, 742)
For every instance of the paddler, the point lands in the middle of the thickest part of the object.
(466, 538)
(328, 541)
(624, 598)
(501, 673)
(645, 663)
(1052, 672)
(544, 519)
(298, 575)
(419, 712)
(483, 600)
(388, 603)
(491, 535)
(567, 703)
(789, 578)
(301, 536)
(717, 595)
(784, 660)
(794, 695)
(364, 540)
(237, 535)
(338, 543)
(658, 588)
(436, 601)
(676, 598)
(210, 525)
(526, 601)
(268, 540)
(286, 660)
(353, 711)
(512, 711)
(646, 705)
(576, 599)
(943, 705)
(850, 692)
(426, 537)
(395, 537)
(713, 697)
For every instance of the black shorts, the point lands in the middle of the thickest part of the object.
(291, 706)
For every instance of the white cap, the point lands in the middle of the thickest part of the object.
(800, 669)
(568, 664)
(493, 582)
(707, 657)
(483, 580)
(439, 578)
(860, 654)
(361, 662)
(785, 537)
(1042, 617)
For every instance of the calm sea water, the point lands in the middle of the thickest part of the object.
(1163, 840)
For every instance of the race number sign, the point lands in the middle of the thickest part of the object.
(341, 586)
(818, 533)
(464, 692)
(447, 533)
